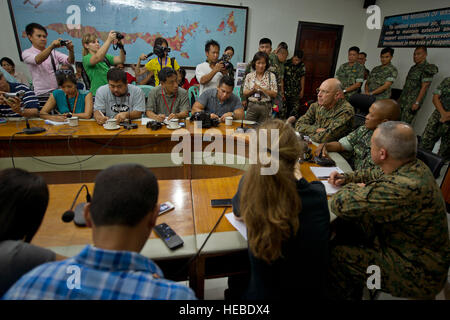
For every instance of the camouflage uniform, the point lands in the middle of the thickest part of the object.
(358, 143)
(337, 121)
(436, 129)
(277, 68)
(403, 214)
(292, 85)
(349, 75)
(248, 69)
(418, 74)
(379, 76)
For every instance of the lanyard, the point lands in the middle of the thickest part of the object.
(160, 62)
(74, 105)
(173, 101)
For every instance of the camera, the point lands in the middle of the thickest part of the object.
(160, 51)
(154, 125)
(225, 59)
(206, 120)
(19, 94)
(63, 42)
(119, 36)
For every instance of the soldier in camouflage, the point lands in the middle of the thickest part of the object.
(277, 60)
(294, 83)
(401, 213)
(382, 77)
(416, 85)
(351, 74)
(438, 125)
(330, 118)
(358, 141)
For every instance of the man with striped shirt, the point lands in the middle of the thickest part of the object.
(28, 106)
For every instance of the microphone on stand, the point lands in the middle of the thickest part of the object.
(128, 124)
(78, 215)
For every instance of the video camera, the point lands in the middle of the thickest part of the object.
(206, 120)
(63, 43)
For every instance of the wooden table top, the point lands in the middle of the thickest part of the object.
(54, 232)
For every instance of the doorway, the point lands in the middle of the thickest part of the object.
(320, 44)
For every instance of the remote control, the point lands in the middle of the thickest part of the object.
(170, 238)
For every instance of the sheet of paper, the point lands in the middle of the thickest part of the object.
(239, 225)
(329, 188)
(145, 120)
(321, 172)
(56, 123)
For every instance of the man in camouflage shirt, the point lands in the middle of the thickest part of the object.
(330, 118)
(382, 77)
(401, 213)
(358, 141)
(351, 74)
(438, 125)
(294, 83)
(416, 85)
(277, 60)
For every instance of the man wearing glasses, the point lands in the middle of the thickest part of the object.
(330, 118)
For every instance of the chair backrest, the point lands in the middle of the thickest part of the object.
(361, 102)
(192, 92)
(237, 91)
(146, 89)
(432, 160)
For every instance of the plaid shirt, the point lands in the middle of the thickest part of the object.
(103, 275)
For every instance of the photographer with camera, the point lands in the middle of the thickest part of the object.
(154, 66)
(13, 104)
(210, 72)
(43, 61)
(96, 61)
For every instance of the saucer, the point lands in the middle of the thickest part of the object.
(177, 127)
(113, 128)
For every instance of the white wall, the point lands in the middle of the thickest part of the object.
(403, 57)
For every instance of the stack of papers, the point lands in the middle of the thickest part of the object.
(330, 189)
(239, 225)
(322, 173)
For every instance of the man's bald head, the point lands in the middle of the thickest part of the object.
(397, 138)
(330, 92)
(388, 108)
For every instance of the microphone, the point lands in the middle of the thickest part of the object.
(241, 129)
(77, 215)
(129, 125)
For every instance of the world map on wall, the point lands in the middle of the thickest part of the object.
(185, 26)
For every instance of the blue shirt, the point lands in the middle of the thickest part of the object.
(103, 275)
(61, 102)
(29, 100)
(212, 104)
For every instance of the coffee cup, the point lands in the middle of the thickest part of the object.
(73, 121)
(111, 123)
(173, 123)
(228, 121)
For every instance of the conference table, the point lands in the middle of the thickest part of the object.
(190, 187)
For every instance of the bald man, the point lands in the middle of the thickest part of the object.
(358, 141)
(401, 214)
(330, 118)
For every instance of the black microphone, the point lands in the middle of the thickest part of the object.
(129, 125)
(77, 215)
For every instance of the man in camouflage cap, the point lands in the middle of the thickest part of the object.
(438, 125)
(416, 85)
(401, 216)
(330, 118)
(358, 141)
(382, 77)
(351, 74)
(294, 83)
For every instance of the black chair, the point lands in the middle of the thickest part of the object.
(432, 160)
(395, 93)
(361, 103)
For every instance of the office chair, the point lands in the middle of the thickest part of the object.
(432, 160)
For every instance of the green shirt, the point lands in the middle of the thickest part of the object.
(97, 73)
(379, 76)
(358, 142)
(160, 104)
(349, 75)
(443, 90)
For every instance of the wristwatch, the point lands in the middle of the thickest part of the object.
(345, 91)
(417, 102)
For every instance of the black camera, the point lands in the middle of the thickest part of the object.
(119, 36)
(206, 120)
(154, 125)
(19, 94)
(160, 51)
(63, 42)
(225, 59)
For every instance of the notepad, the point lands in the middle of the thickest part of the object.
(239, 225)
(324, 171)
(330, 189)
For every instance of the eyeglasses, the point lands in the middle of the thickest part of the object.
(322, 91)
